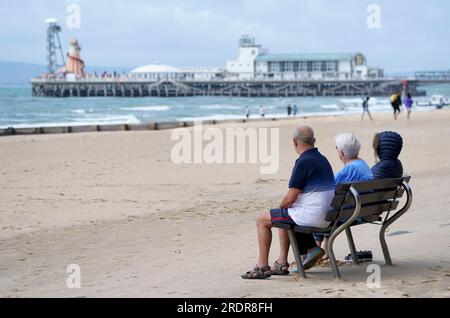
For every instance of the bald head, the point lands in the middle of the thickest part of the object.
(304, 135)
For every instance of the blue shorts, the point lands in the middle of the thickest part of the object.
(319, 237)
(281, 215)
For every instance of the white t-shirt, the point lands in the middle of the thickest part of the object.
(311, 209)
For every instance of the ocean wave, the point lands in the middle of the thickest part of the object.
(331, 106)
(351, 100)
(221, 107)
(100, 120)
(148, 108)
(78, 111)
(211, 117)
(108, 119)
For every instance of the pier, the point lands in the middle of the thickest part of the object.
(247, 88)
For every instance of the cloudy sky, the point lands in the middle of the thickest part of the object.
(413, 34)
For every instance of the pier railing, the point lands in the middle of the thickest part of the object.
(226, 80)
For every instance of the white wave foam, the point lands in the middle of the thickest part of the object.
(351, 101)
(78, 111)
(101, 120)
(109, 119)
(211, 117)
(221, 107)
(331, 106)
(162, 108)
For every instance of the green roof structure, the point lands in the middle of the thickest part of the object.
(305, 57)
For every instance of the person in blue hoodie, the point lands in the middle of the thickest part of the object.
(387, 146)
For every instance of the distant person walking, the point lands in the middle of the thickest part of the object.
(365, 106)
(247, 112)
(289, 110)
(408, 102)
(295, 110)
(262, 111)
(396, 102)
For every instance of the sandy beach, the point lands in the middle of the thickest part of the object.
(139, 225)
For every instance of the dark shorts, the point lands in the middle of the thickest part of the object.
(396, 107)
(281, 215)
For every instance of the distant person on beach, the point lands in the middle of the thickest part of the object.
(408, 102)
(295, 110)
(348, 147)
(311, 190)
(247, 112)
(366, 108)
(289, 110)
(387, 146)
(396, 102)
(262, 111)
(442, 102)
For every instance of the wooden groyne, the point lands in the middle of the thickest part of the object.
(12, 131)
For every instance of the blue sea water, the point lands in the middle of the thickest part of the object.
(19, 109)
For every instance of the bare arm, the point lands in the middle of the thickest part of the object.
(290, 198)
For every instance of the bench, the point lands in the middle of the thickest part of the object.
(377, 199)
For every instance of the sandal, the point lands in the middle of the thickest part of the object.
(258, 273)
(280, 269)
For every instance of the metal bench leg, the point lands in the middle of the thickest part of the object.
(384, 247)
(351, 244)
(339, 230)
(295, 249)
(334, 266)
(388, 222)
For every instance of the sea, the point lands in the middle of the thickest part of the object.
(19, 109)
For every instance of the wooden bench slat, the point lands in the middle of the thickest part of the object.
(369, 209)
(365, 186)
(369, 197)
(301, 229)
(311, 230)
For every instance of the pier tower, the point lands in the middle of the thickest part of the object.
(53, 46)
(244, 67)
(75, 65)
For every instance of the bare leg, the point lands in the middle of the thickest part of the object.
(370, 116)
(284, 247)
(325, 248)
(264, 227)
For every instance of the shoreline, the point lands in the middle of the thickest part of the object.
(167, 125)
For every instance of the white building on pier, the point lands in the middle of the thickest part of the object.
(255, 63)
(158, 72)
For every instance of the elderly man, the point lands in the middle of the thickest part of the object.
(355, 169)
(311, 190)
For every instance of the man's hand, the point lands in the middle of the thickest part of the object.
(290, 198)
